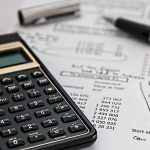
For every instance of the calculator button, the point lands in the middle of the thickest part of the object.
(42, 113)
(8, 132)
(36, 104)
(2, 112)
(76, 128)
(5, 81)
(43, 82)
(34, 94)
(22, 118)
(49, 123)
(15, 142)
(1, 92)
(29, 127)
(55, 98)
(17, 108)
(57, 133)
(62, 108)
(36, 137)
(5, 122)
(4, 100)
(18, 97)
(28, 85)
(22, 77)
(49, 90)
(37, 74)
(69, 118)
(12, 89)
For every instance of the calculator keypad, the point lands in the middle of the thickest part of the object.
(29, 127)
(28, 85)
(49, 90)
(1, 92)
(62, 108)
(36, 137)
(15, 142)
(12, 89)
(2, 112)
(57, 133)
(49, 123)
(54, 98)
(22, 118)
(9, 132)
(42, 113)
(5, 122)
(76, 128)
(69, 118)
(36, 104)
(21, 77)
(3, 100)
(18, 97)
(34, 112)
(6, 80)
(34, 94)
(37, 74)
(17, 108)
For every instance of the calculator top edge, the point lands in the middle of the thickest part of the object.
(10, 47)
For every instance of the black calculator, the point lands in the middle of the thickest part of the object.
(35, 112)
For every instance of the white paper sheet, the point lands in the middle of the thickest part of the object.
(104, 70)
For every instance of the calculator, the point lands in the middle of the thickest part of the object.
(35, 111)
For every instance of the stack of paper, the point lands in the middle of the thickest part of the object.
(104, 70)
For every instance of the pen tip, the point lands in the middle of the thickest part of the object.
(109, 19)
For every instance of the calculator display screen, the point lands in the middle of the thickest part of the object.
(13, 57)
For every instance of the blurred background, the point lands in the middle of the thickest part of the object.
(8, 12)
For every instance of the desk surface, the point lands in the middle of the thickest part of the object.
(8, 12)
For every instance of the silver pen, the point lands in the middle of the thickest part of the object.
(62, 7)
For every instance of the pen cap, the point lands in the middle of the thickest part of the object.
(32, 14)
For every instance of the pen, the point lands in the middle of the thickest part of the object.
(138, 30)
(31, 15)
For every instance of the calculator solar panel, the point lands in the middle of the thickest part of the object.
(35, 112)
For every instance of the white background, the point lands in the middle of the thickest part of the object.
(8, 12)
